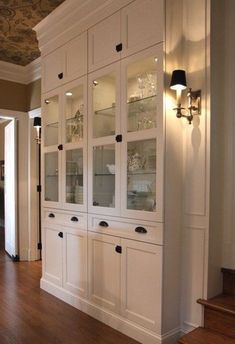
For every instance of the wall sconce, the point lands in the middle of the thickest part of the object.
(178, 83)
(37, 125)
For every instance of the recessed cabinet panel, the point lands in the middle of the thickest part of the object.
(51, 177)
(74, 114)
(141, 283)
(74, 176)
(51, 121)
(52, 67)
(104, 105)
(104, 270)
(75, 261)
(76, 57)
(104, 176)
(142, 25)
(141, 94)
(53, 256)
(103, 38)
(141, 175)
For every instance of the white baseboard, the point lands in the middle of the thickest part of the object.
(113, 320)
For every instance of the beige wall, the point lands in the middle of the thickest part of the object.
(34, 95)
(19, 97)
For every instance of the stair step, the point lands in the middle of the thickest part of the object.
(228, 281)
(204, 336)
(222, 303)
(219, 314)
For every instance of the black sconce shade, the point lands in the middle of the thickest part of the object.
(178, 80)
(37, 122)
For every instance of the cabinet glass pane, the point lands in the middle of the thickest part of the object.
(51, 177)
(104, 100)
(141, 94)
(51, 121)
(74, 112)
(74, 176)
(141, 175)
(104, 176)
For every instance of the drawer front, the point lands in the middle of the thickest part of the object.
(74, 220)
(141, 231)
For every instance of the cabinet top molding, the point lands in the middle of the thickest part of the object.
(72, 18)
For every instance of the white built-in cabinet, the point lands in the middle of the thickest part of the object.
(102, 168)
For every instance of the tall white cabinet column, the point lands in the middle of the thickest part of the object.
(111, 168)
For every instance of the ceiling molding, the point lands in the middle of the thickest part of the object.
(20, 74)
(72, 18)
(35, 113)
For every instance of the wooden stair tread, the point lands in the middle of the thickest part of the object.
(228, 271)
(222, 303)
(204, 336)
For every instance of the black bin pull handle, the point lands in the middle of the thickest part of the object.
(74, 219)
(61, 234)
(51, 215)
(103, 224)
(141, 230)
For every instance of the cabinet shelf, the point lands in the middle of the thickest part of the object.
(104, 174)
(140, 173)
(53, 125)
(106, 112)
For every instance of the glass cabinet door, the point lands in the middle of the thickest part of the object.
(104, 125)
(74, 155)
(51, 177)
(74, 114)
(51, 121)
(142, 118)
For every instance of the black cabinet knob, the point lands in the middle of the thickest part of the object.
(74, 219)
(61, 234)
(118, 138)
(118, 249)
(51, 215)
(141, 230)
(60, 76)
(103, 224)
(119, 47)
(60, 147)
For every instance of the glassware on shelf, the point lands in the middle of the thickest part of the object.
(51, 121)
(74, 176)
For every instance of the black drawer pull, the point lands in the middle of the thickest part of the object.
(119, 47)
(60, 76)
(51, 215)
(103, 224)
(118, 249)
(141, 230)
(74, 219)
(60, 234)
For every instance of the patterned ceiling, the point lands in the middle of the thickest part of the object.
(18, 43)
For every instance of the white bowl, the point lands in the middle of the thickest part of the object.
(111, 168)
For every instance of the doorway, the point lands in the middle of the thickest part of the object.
(8, 188)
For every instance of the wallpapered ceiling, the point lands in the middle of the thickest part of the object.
(18, 43)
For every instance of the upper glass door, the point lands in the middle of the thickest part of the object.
(74, 158)
(51, 121)
(142, 114)
(104, 153)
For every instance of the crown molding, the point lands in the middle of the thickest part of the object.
(21, 74)
(72, 18)
(35, 113)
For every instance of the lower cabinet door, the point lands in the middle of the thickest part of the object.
(104, 270)
(53, 243)
(75, 261)
(141, 271)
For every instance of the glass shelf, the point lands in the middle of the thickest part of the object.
(110, 111)
(140, 173)
(53, 125)
(104, 174)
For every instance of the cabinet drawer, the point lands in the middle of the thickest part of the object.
(141, 231)
(75, 220)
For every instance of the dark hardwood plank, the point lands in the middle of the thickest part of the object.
(28, 315)
(204, 336)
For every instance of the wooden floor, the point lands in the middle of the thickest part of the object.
(29, 315)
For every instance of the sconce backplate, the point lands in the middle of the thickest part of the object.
(196, 101)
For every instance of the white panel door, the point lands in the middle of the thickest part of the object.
(103, 38)
(141, 271)
(104, 271)
(75, 261)
(11, 238)
(52, 251)
(76, 57)
(142, 25)
(53, 70)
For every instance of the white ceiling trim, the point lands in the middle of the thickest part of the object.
(21, 74)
